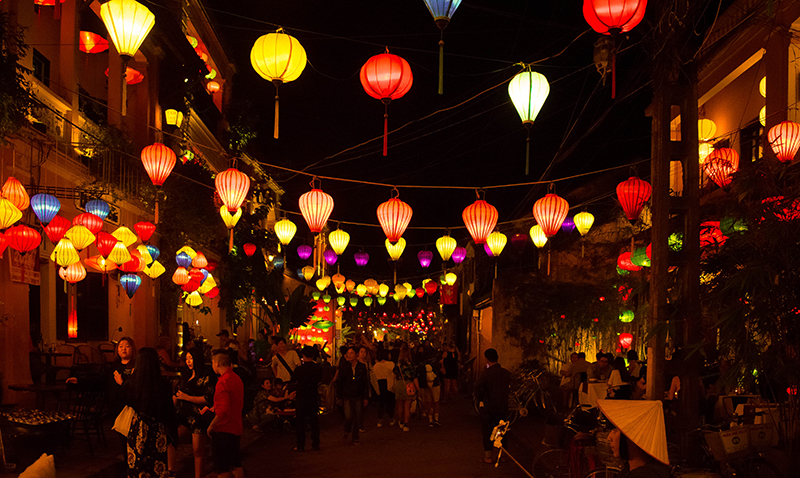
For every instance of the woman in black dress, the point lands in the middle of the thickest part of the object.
(154, 425)
(451, 359)
(194, 395)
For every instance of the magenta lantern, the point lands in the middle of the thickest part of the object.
(361, 258)
(425, 258)
(459, 254)
(304, 251)
(330, 256)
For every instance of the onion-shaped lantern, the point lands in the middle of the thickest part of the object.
(285, 230)
(528, 91)
(425, 258)
(14, 191)
(308, 272)
(199, 261)
(383, 290)
(90, 221)
(80, 236)
(350, 285)
(304, 251)
(183, 259)
(9, 213)
(625, 340)
(496, 242)
(459, 254)
(98, 207)
(279, 58)
(624, 262)
(362, 258)
(583, 222)
(232, 186)
(65, 253)
(180, 276)
(568, 225)
(23, 239)
(128, 23)
(73, 273)
(450, 278)
(480, 218)
(395, 250)
(400, 291)
(145, 230)
(372, 286)
(550, 212)
(119, 254)
(386, 77)
(130, 282)
(442, 11)
(446, 245)
(720, 166)
(45, 207)
(394, 216)
(249, 249)
(316, 206)
(339, 240)
(330, 256)
(633, 194)
(784, 138)
(56, 229)
(125, 235)
(538, 236)
(626, 316)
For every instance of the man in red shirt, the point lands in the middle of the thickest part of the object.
(226, 428)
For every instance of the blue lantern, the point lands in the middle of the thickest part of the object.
(278, 262)
(153, 251)
(184, 260)
(300, 272)
(45, 207)
(130, 282)
(99, 208)
(568, 225)
(205, 275)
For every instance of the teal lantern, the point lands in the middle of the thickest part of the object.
(99, 208)
(353, 301)
(626, 316)
(639, 257)
(340, 300)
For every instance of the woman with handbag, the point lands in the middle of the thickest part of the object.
(404, 390)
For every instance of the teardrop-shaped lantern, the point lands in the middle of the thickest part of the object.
(199, 261)
(395, 250)
(394, 216)
(23, 239)
(130, 282)
(720, 166)
(304, 251)
(496, 242)
(99, 208)
(180, 276)
(425, 258)
(381, 300)
(158, 160)
(480, 218)
(65, 253)
(361, 258)
(459, 254)
(538, 236)
(330, 256)
(128, 23)
(431, 287)
(450, 278)
(9, 213)
(249, 249)
(784, 138)
(339, 240)
(45, 207)
(232, 187)
(90, 221)
(568, 225)
(14, 191)
(528, 91)
(625, 339)
(550, 212)
(633, 194)
(386, 77)
(419, 291)
(583, 222)
(442, 11)
(316, 206)
(279, 58)
(73, 273)
(350, 285)
(229, 219)
(446, 245)
(145, 230)
(308, 272)
(285, 230)
(80, 236)
(119, 254)
(56, 229)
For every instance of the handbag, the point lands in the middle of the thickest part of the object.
(411, 389)
(123, 422)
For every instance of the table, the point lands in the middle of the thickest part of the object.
(31, 429)
(40, 389)
(48, 360)
(595, 391)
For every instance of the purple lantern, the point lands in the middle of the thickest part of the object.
(425, 258)
(568, 225)
(304, 251)
(330, 256)
(361, 258)
(130, 282)
(184, 260)
(459, 254)
(488, 251)
(519, 241)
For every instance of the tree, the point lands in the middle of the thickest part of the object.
(16, 100)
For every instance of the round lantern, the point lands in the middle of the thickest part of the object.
(308, 272)
(212, 87)
(316, 206)
(180, 276)
(381, 300)
(340, 300)
(125, 235)
(14, 191)
(368, 301)
(330, 256)
(395, 250)
(90, 221)
(80, 236)
(386, 77)
(496, 242)
(145, 230)
(73, 273)
(353, 301)
(339, 240)
(65, 253)
(459, 254)
(784, 138)
(550, 212)
(45, 207)
(400, 291)
(446, 245)
(538, 236)
(425, 258)
(625, 340)
(624, 262)
(480, 218)
(9, 213)
(285, 230)
(23, 239)
(279, 58)
(183, 259)
(383, 290)
(720, 166)
(450, 278)
(633, 194)
(361, 290)
(119, 254)
(361, 258)
(583, 222)
(128, 23)
(199, 261)
(394, 216)
(528, 91)
(158, 160)
(249, 249)
(304, 251)
(430, 287)
(232, 186)
(626, 316)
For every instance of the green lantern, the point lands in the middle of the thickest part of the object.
(368, 301)
(316, 295)
(353, 301)
(326, 298)
(676, 241)
(626, 316)
(322, 324)
(639, 257)
(340, 300)
(622, 271)
(396, 298)
(381, 300)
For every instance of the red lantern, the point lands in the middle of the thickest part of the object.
(649, 250)
(232, 186)
(191, 286)
(480, 218)
(632, 195)
(420, 292)
(386, 77)
(158, 161)
(721, 164)
(105, 243)
(213, 292)
(23, 239)
(430, 287)
(394, 216)
(784, 138)
(56, 228)
(145, 230)
(196, 274)
(550, 212)
(613, 16)
(92, 42)
(316, 207)
(625, 340)
(249, 249)
(90, 221)
(136, 264)
(624, 262)
(3, 243)
(72, 323)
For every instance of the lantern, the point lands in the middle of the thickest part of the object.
(65, 253)
(409, 288)
(396, 250)
(91, 42)
(14, 191)
(528, 90)
(199, 261)
(361, 290)
(703, 150)
(145, 230)
(119, 254)
(400, 291)
(784, 138)
(459, 254)
(550, 212)
(304, 251)
(538, 236)
(278, 262)
(213, 292)
(91, 222)
(154, 270)
(128, 23)
(625, 340)
(100, 264)
(419, 291)
(338, 280)
(720, 166)
(446, 245)
(316, 207)
(624, 262)
(212, 87)
(425, 258)
(362, 258)
(9, 213)
(368, 301)
(626, 316)
(45, 207)
(430, 287)
(249, 249)
(136, 264)
(394, 216)
(308, 272)
(189, 252)
(583, 222)
(633, 194)
(386, 77)
(568, 225)
(706, 129)
(330, 256)
(132, 77)
(130, 282)
(232, 186)
(180, 276)
(762, 116)
(383, 290)
(125, 235)
(640, 258)
(442, 11)
(339, 240)
(229, 219)
(145, 254)
(480, 218)
(496, 242)
(23, 239)
(350, 285)
(381, 300)
(73, 273)
(174, 117)
(3, 243)
(285, 230)
(450, 278)
(158, 161)
(353, 301)
(183, 259)
(80, 237)
(340, 300)
(194, 299)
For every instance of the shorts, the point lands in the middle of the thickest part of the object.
(430, 394)
(225, 451)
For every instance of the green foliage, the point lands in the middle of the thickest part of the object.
(243, 116)
(16, 100)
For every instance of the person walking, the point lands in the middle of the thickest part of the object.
(427, 382)
(353, 389)
(309, 376)
(451, 358)
(384, 373)
(226, 428)
(405, 391)
(491, 390)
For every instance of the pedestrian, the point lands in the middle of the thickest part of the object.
(404, 390)
(639, 437)
(353, 389)
(226, 428)
(309, 376)
(384, 373)
(427, 382)
(284, 361)
(451, 359)
(153, 425)
(491, 391)
(195, 391)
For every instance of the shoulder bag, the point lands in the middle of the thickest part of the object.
(123, 422)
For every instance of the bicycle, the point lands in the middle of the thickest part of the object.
(497, 438)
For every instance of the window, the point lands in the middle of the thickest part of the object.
(41, 67)
(751, 142)
(91, 304)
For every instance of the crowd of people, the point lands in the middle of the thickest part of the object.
(625, 379)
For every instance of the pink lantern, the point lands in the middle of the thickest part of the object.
(425, 258)
(625, 340)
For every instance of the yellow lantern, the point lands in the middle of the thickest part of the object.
(528, 90)
(323, 282)
(188, 250)
(583, 222)
(350, 285)
(339, 288)
(194, 299)
(762, 116)
(155, 270)
(208, 284)
(285, 230)
(119, 254)
(446, 245)
(174, 117)
(80, 236)
(339, 240)
(279, 58)
(361, 290)
(229, 219)
(537, 234)
(383, 289)
(450, 278)
(396, 250)
(128, 23)
(126, 236)
(65, 253)
(9, 213)
(400, 291)
(762, 87)
(338, 280)
(145, 253)
(706, 129)
(704, 150)
(496, 241)
(410, 291)
(308, 272)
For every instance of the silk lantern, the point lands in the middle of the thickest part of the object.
(381, 300)
(538, 236)
(706, 129)
(400, 291)
(583, 222)
(383, 290)
(350, 285)
(353, 301)
(784, 138)
(189, 252)
(91, 42)
(100, 264)
(14, 191)
(73, 273)
(394, 216)
(304, 251)
(45, 207)
(154, 270)
(395, 250)
(550, 212)
(361, 290)
(80, 236)
(56, 229)
(65, 254)
(430, 287)
(386, 77)
(624, 262)
(194, 299)
(90, 221)
(279, 58)
(128, 23)
(633, 194)
(130, 282)
(528, 91)
(330, 256)
(316, 207)
(425, 258)
(442, 11)
(285, 230)
(180, 276)
(232, 186)
(105, 243)
(720, 166)
(249, 249)
(3, 243)
(173, 117)
(368, 301)
(99, 208)
(183, 259)
(340, 300)
(119, 254)
(625, 340)
(339, 240)
(480, 218)
(568, 225)
(361, 258)
(9, 213)
(450, 278)
(496, 242)
(446, 245)
(419, 291)
(459, 254)
(125, 235)
(199, 261)
(158, 161)
(308, 272)
(230, 221)
(145, 230)
(134, 265)
(23, 239)
(213, 292)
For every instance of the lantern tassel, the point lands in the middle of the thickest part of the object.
(155, 215)
(548, 261)
(386, 129)
(527, 149)
(277, 112)
(230, 244)
(633, 245)
(441, 66)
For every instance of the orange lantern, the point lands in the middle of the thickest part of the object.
(102, 265)
(14, 191)
(132, 77)
(386, 77)
(784, 138)
(480, 218)
(72, 273)
(158, 160)
(721, 164)
(212, 87)
(550, 212)
(232, 186)
(633, 194)
(181, 276)
(199, 261)
(316, 207)
(92, 42)
(394, 216)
